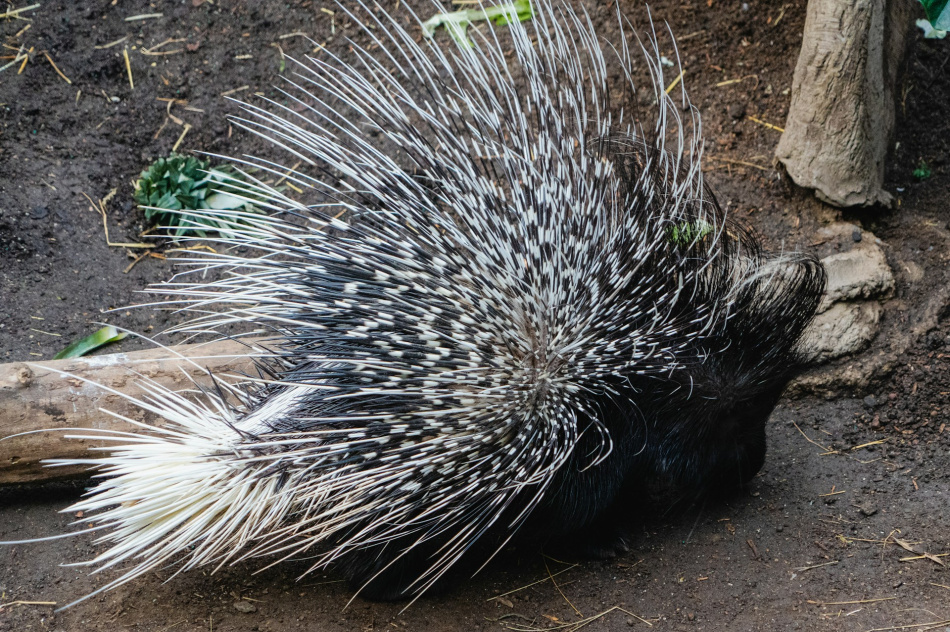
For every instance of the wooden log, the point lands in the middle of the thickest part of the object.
(37, 396)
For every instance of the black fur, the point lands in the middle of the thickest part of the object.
(699, 432)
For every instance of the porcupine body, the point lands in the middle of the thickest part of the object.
(533, 312)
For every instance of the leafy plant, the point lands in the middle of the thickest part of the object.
(686, 233)
(923, 171)
(172, 186)
(457, 22)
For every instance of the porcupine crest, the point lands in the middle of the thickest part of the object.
(508, 263)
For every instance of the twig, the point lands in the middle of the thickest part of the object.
(571, 626)
(143, 16)
(764, 124)
(111, 44)
(934, 624)
(908, 547)
(808, 568)
(690, 36)
(164, 123)
(848, 603)
(101, 209)
(10, 14)
(728, 82)
(182, 137)
(233, 90)
(540, 581)
(128, 67)
(58, 71)
(868, 444)
(551, 577)
(154, 49)
(20, 56)
(679, 77)
(26, 58)
(743, 163)
(26, 603)
(809, 439)
(48, 333)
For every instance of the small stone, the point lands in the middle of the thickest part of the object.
(691, 616)
(737, 110)
(934, 340)
(870, 401)
(867, 510)
(856, 234)
(245, 606)
(631, 622)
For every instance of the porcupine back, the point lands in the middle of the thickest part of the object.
(523, 270)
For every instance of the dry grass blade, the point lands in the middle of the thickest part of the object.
(13, 13)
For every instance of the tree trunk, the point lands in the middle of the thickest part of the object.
(37, 397)
(841, 119)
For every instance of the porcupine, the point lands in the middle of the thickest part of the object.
(534, 312)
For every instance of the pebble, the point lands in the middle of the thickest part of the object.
(245, 606)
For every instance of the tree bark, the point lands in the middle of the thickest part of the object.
(37, 397)
(841, 119)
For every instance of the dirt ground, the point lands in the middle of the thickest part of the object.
(815, 543)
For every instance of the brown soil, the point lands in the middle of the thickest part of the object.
(812, 544)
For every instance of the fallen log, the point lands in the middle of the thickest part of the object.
(36, 396)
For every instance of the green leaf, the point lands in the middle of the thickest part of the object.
(104, 336)
(223, 202)
(923, 171)
(687, 233)
(456, 23)
(938, 12)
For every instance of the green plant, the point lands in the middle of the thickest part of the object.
(923, 171)
(938, 13)
(457, 22)
(687, 233)
(172, 186)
